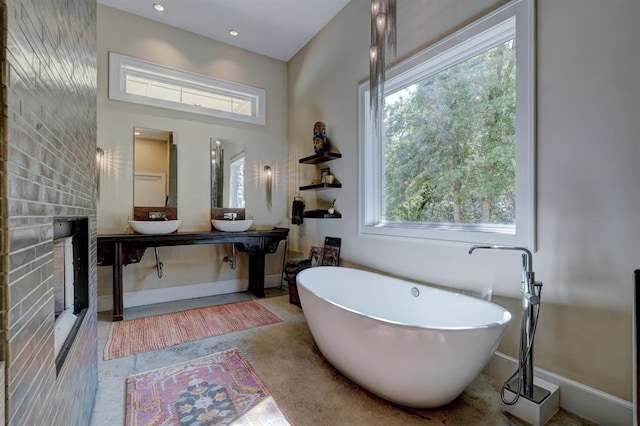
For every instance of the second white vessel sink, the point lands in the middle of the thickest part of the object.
(232, 225)
(155, 227)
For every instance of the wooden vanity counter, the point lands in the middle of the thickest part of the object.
(123, 249)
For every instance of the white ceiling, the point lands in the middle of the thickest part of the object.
(275, 28)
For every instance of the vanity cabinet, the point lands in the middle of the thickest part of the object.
(319, 158)
(119, 250)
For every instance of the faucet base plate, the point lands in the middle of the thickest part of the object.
(533, 412)
(539, 394)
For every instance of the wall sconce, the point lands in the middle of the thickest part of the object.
(99, 166)
(383, 38)
(268, 180)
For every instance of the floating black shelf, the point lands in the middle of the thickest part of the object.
(318, 186)
(320, 157)
(321, 214)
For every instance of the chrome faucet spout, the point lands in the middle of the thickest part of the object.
(527, 257)
(230, 215)
(473, 248)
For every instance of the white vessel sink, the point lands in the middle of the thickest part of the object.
(155, 227)
(232, 225)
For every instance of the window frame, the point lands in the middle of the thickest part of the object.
(234, 165)
(461, 45)
(120, 66)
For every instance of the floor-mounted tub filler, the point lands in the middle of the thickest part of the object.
(532, 399)
(411, 344)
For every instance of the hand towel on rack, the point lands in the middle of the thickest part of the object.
(297, 212)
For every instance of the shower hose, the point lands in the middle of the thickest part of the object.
(522, 358)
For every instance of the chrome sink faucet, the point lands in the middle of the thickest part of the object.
(232, 216)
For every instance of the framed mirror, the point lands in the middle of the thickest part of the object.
(155, 168)
(227, 174)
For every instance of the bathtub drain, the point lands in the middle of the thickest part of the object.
(415, 292)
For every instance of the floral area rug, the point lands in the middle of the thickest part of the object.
(218, 389)
(161, 331)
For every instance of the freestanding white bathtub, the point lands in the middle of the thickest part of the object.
(411, 344)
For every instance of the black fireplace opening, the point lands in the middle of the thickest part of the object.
(70, 281)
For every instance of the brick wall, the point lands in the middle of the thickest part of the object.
(47, 160)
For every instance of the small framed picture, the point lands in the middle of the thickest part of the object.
(329, 256)
(316, 256)
(333, 242)
(324, 173)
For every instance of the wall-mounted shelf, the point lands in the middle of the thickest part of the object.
(321, 214)
(320, 157)
(317, 158)
(319, 186)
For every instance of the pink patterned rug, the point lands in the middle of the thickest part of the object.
(218, 389)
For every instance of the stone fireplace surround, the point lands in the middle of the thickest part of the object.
(47, 170)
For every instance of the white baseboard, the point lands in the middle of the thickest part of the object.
(192, 291)
(577, 398)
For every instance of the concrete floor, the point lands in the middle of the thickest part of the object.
(307, 389)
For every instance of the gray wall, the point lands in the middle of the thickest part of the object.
(48, 145)
(587, 174)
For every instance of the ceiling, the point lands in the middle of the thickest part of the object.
(274, 28)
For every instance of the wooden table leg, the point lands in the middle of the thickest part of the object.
(118, 306)
(256, 274)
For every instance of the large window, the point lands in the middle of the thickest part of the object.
(455, 161)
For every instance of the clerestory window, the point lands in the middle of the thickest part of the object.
(142, 82)
(456, 157)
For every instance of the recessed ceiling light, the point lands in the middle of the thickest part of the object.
(158, 7)
(233, 33)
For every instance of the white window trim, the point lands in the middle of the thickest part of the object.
(120, 66)
(492, 27)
